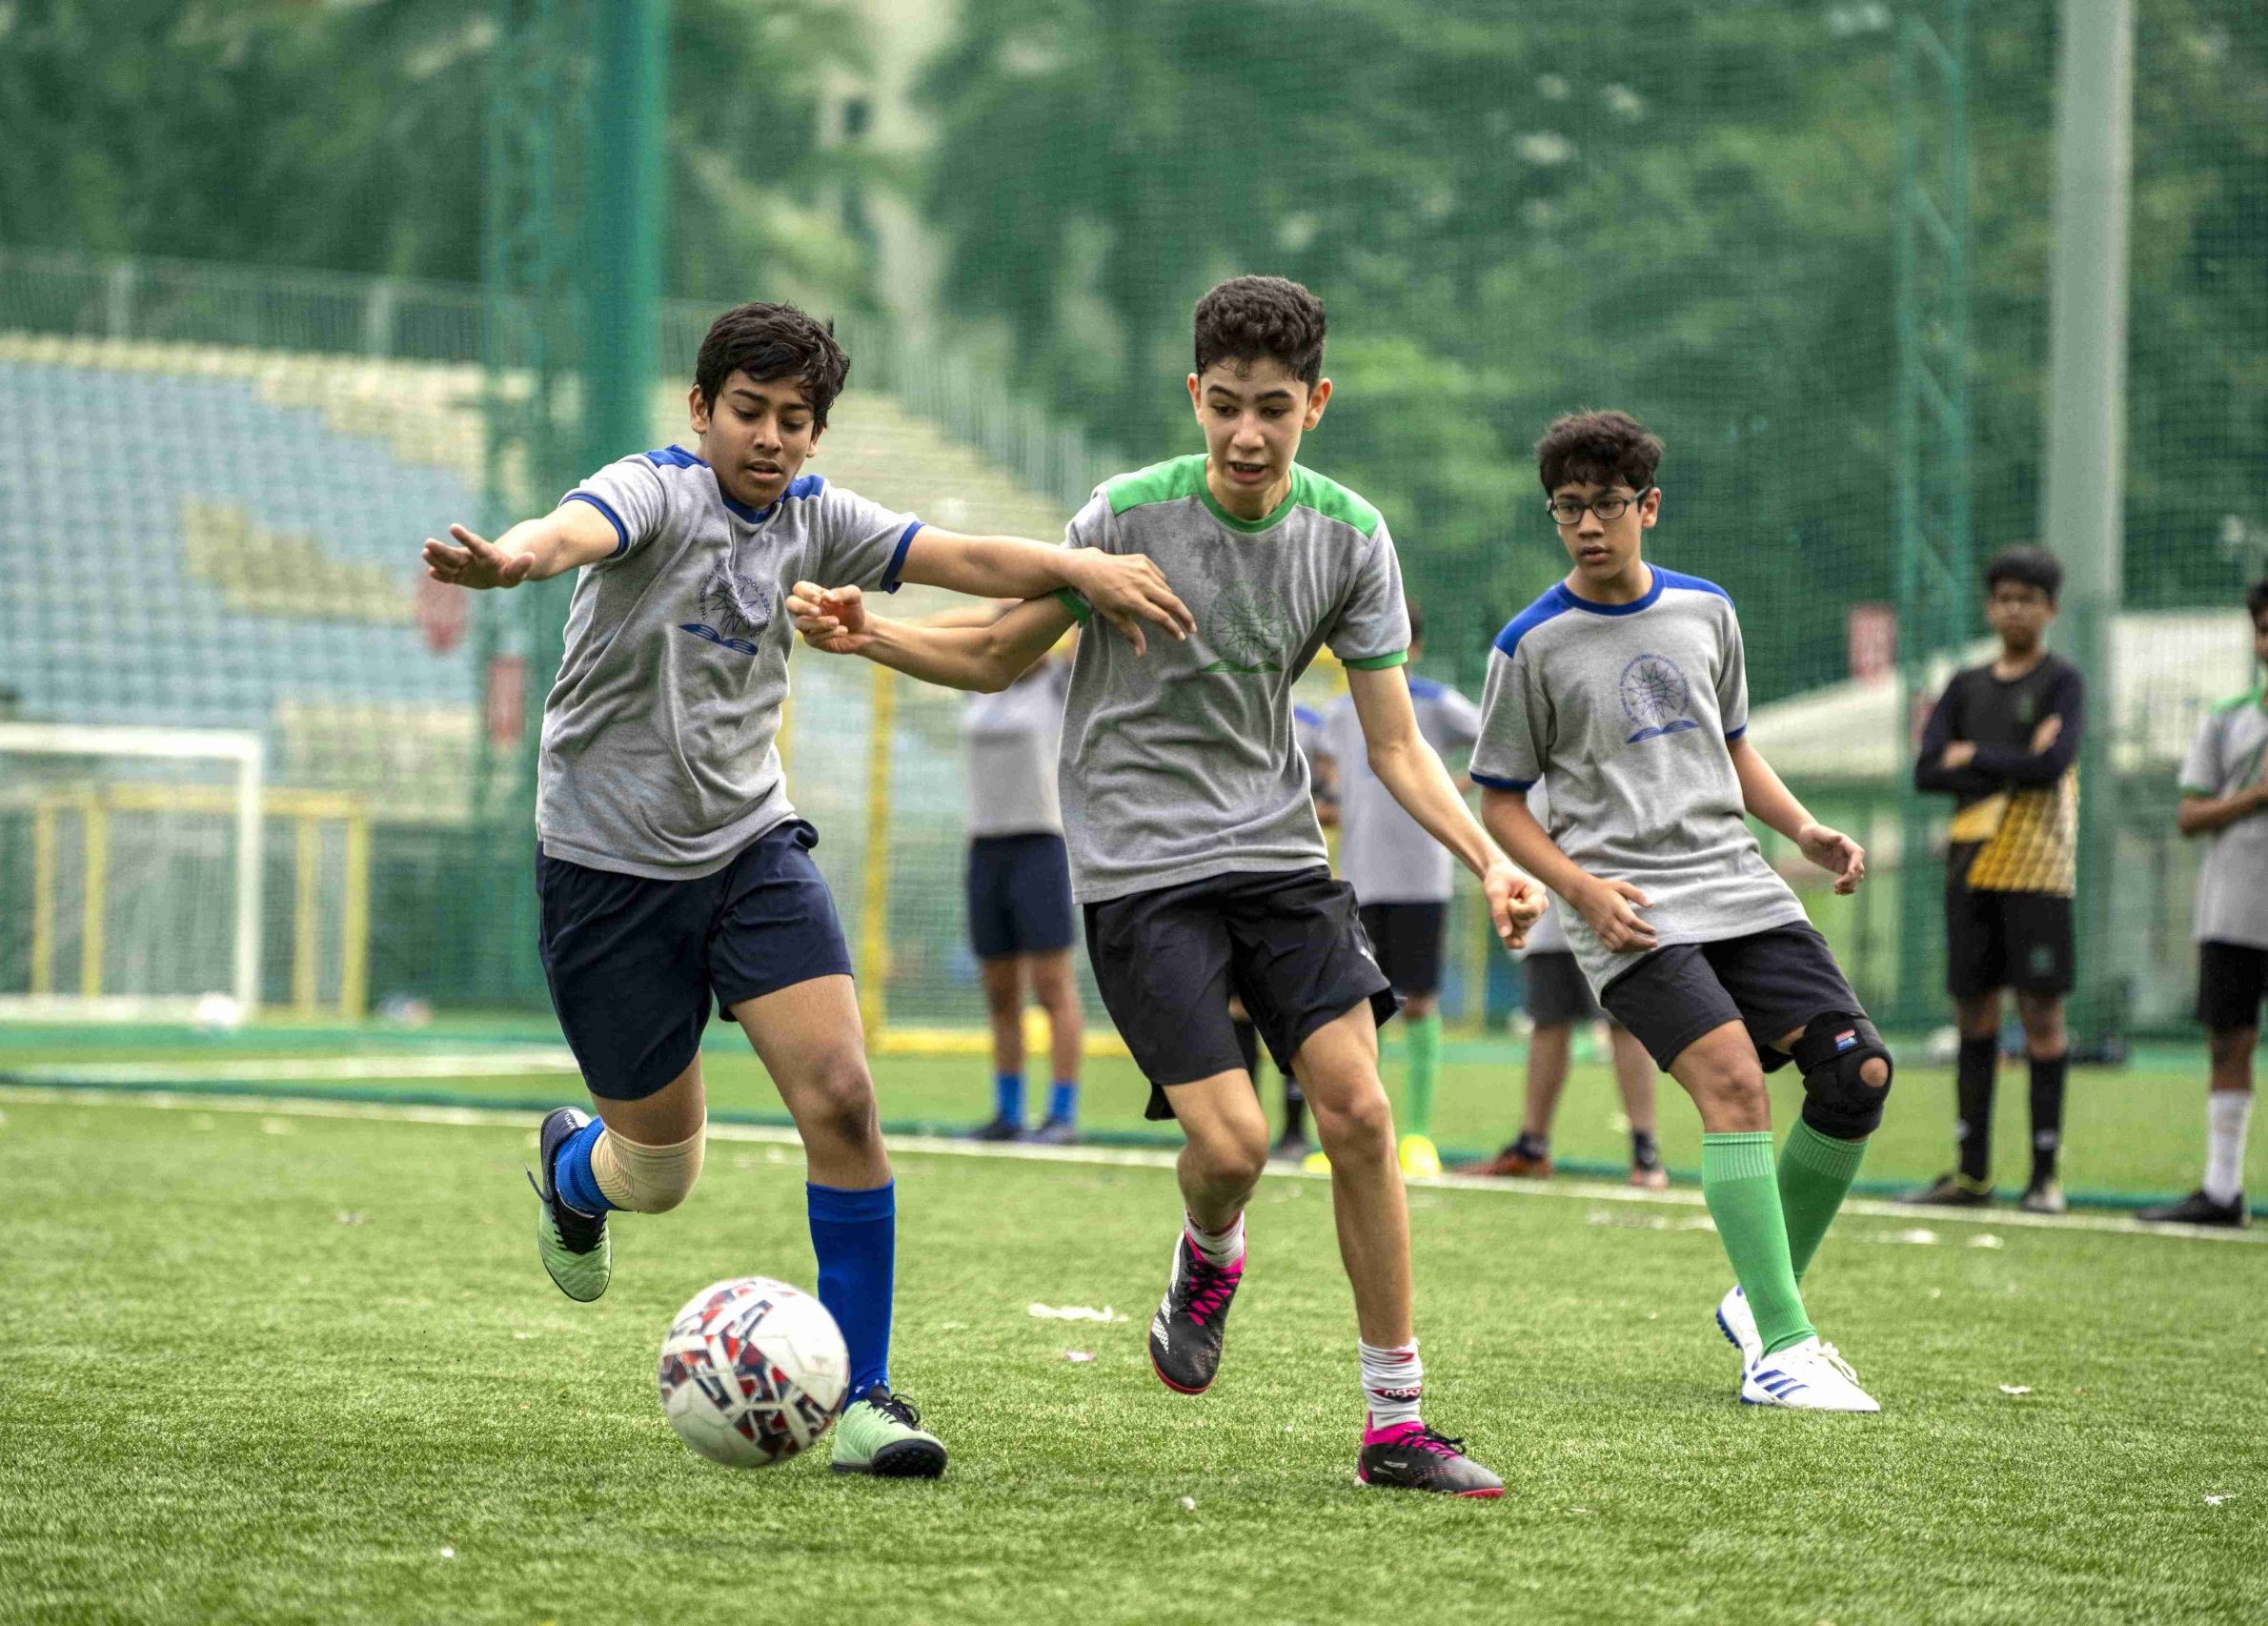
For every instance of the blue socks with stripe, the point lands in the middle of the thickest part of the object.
(854, 1235)
(571, 1173)
(1008, 1096)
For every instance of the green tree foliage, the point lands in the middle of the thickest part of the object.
(1686, 208)
(349, 135)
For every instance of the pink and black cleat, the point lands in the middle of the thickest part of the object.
(1410, 1456)
(1186, 1332)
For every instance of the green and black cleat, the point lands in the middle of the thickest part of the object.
(573, 1245)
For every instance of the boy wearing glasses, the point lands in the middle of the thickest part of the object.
(1625, 688)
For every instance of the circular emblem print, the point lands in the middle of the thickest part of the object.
(1244, 630)
(1655, 694)
(736, 603)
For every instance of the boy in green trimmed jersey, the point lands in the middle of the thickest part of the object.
(1194, 845)
(2225, 796)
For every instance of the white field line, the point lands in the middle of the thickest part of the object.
(514, 1063)
(1117, 1157)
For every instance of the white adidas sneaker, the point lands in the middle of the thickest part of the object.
(1737, 1322)
(1810, 1377)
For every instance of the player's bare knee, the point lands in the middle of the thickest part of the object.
(1356, 1121)
(837, 1102)
(1229, 1160)
(647, 1179)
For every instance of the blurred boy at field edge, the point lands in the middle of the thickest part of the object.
(2224, 797)
(2003, 741)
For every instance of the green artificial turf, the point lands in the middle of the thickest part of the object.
(278, 1366)
(2134, 1132)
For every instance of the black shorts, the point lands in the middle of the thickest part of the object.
(2006, 940)
(1290, 946)
(1775, 982)
(1407, 938)
(2232, 977)
(1554, 990)
(634, 963)
(1019, 895)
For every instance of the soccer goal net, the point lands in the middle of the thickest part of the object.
(131, 873)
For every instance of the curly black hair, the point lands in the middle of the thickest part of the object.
(1247, 318)
(2027, 566)
(1597, 448)
(772, 342)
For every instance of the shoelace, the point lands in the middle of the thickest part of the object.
(1438, 1443)
(895, 1407)
(1209, 1288)
(579, 1233)
(1834, 1357)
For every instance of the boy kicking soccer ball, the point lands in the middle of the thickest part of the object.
(1624, 689)
(670, 867)
(1194, 846)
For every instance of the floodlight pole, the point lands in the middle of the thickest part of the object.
(2081, 515)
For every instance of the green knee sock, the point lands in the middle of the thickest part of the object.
(1743, 1193)
(1424, 1067)
(1815, 1174)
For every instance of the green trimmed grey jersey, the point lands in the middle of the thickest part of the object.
(1014, 738)
(1627, 709)
(659, 755)
(2232, 883)
(1384, 853)
(1181, 765)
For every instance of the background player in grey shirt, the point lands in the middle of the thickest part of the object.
(1019, 911)
(2224, 797)
(1625, 686)
(672, 872)
(1401, 880)
(1194, 845)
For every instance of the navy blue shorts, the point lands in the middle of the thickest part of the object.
(633, 963)
(1019, 895)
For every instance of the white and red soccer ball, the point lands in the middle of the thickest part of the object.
(752, 1372)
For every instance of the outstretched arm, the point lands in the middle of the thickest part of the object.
(571, 536)
(1126, 589)
(988, 657)
(1412, 770)
(1763, 794)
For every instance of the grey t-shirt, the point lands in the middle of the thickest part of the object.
(2233, 885)
(1384, 853)
(658, 737)
(1180, 764)
(1550, 934)
(1014, 738)
(1627, 709)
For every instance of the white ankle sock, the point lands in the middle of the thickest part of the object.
(1393, 1383)
(1225, 1247)
(2226, 1111)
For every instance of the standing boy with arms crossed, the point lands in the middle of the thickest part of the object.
(2225, 796)
(1194, 846)
(2003, 739)
(671, 868)
(1625, 688)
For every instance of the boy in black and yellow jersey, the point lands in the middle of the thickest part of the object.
(2004, 742)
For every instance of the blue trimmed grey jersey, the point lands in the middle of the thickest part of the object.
(1550, 934)
(658, 756)
(1384, 853)
(1627, 709)
(1014, 739)
(1181, 765)
(2233, 885)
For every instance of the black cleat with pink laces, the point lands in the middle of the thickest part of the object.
(1186, 1332)
(1410, 1456)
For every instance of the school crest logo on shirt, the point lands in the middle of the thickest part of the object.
(733, 608)
(1247, 631)
(1654, 695)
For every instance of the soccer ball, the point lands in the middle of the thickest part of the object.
(752, 1372)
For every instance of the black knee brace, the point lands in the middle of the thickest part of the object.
(1837, 1101)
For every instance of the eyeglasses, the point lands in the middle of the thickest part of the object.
(1567, 511)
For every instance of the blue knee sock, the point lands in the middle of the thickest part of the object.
(1063, 1098)
(571, 1172)
(1008, 1096)
(854, 1235)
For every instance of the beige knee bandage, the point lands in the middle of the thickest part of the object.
(646, 1179)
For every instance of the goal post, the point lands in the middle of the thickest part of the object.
(168, 826)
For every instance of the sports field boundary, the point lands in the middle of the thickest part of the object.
(1129, 1150)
